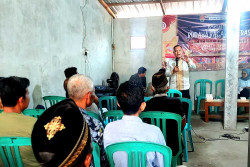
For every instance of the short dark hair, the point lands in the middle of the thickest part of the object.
(12, 88)
(142, 70)
(177, 46)
(70, 72)
(130, 96)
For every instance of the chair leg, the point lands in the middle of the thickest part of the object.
(191, 140)
(198, 105)
(211, 109)
(185, 150)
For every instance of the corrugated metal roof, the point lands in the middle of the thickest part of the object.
(146, 8)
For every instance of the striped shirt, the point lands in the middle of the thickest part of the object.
(179, 80)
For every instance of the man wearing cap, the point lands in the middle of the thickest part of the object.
(61, 137)
(130, 98)
(81, 91)
(15, 98)
(160, 102)
(139, 78)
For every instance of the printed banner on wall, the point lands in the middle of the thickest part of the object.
(203, 38)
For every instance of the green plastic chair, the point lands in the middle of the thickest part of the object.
(52, 100)
(203, 91)
(159, 118)
(1, 111)
(111, 102)
(171, 93)
(96, 154)
(9, 150)
(188, 128)
(147, 98)
(94, 115)
(137, 151)
(220, 95)
(33, 112)
(111, 116)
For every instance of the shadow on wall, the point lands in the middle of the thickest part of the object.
(37, 96)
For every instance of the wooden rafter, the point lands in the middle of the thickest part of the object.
(107, 8)
(146, 2)
(162, 7)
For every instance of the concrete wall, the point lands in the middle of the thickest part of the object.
(39, 40)
(127, 61)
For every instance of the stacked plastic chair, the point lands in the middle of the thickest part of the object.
(203, 90)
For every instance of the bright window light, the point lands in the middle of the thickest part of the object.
(138, 42)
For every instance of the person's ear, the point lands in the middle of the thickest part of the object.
(87, 160)
(143, 106)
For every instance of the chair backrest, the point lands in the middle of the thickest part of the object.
(171, 93)
(147, 98)
(222, 90)
(9, 150)
(190, 105)
(203, 87)
(33, 112)
(159, 118)
(96, 154)
(51, 100)
(137, 151)
(111, 116)
(94, 115)
(111, 102)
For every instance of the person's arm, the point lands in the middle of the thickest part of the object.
(240, 86)
(170, 68)
(190, 62)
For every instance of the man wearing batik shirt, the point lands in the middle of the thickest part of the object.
(178, 71)
(81, 90)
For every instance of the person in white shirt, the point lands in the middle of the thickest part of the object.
(178, 71)
(244, 84)
(130, 97)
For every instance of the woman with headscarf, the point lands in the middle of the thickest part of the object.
(244, 84)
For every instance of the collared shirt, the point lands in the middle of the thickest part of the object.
(96, 130)
(179, 80)
(131, 128)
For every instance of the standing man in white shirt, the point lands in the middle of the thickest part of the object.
(178, 71)
(130, 98)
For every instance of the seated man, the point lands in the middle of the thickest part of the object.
(81, 91)
(15, 98)
(61, 137)
(69, 72)
(139, 78)
(160, 102)
(130, 98)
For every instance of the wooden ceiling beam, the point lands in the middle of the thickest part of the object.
(107, 8)
(162, 7)
(146, 2)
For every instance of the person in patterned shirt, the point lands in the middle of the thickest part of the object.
(81, 90)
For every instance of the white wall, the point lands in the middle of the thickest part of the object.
(128, 61)
(40, 39)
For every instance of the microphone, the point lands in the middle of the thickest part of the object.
(176, 61)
